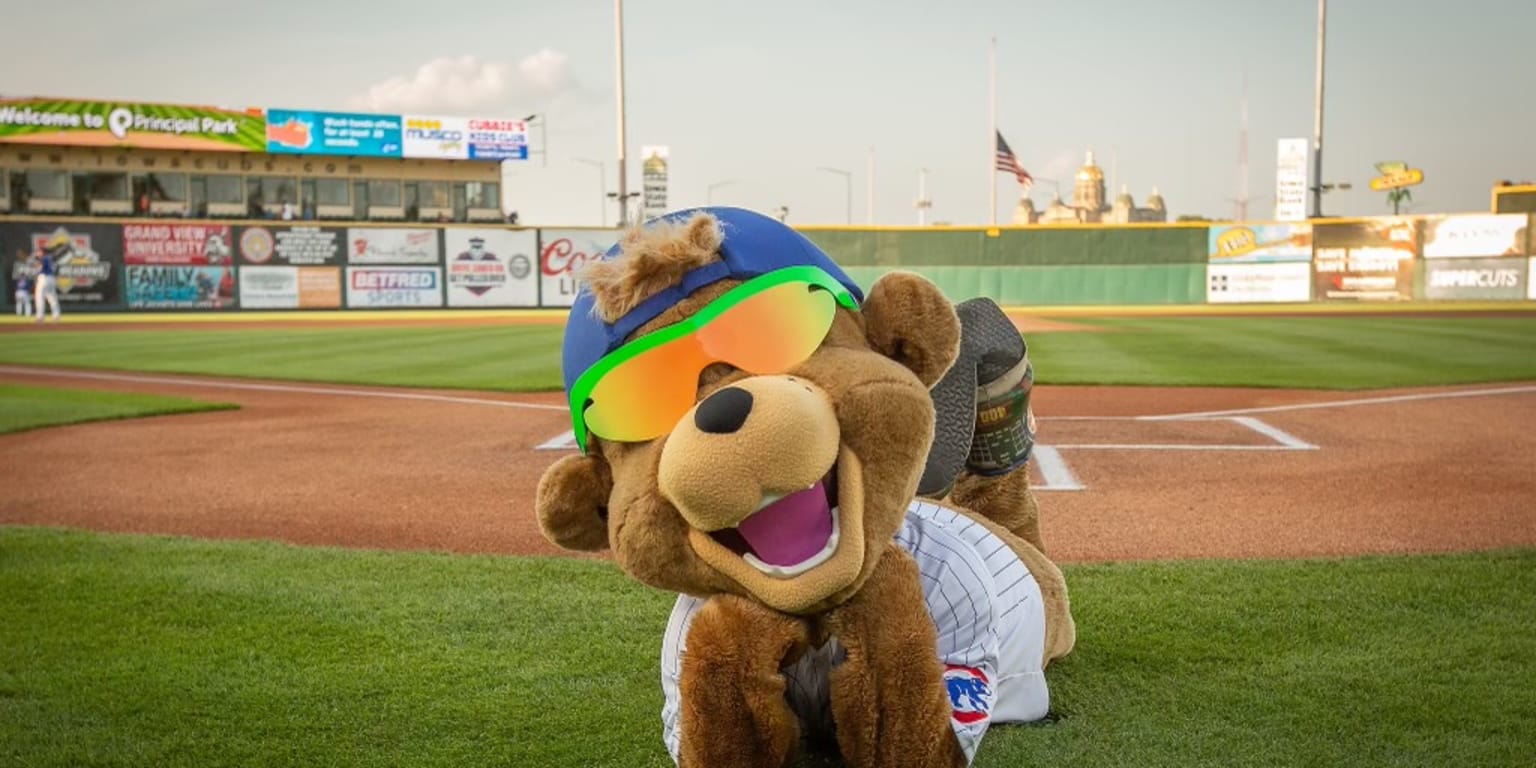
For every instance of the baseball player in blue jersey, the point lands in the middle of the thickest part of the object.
(47, 291)
(24, 294)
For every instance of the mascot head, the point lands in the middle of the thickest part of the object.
(750, 422)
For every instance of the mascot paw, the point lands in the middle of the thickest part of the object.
(736, 713)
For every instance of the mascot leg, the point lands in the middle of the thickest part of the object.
(889, 699)
(733, 706)
(1004, 499)
(983, 404)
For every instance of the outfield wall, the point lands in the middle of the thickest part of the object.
(175, 264)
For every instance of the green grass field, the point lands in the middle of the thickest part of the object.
(23, 408)
(146, 651)
(1292, 351)
(510, 358)
(121, 650)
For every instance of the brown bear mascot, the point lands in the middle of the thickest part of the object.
(754, 432)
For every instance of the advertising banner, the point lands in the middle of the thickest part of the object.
(1260, 243)
(654, 176)
(1476, 279)
(162, 286)
(290, 287)
(1255, 283)
(332, 133)
(563, 252)
(1291, 180)
(392, 246)
(1476, 236)
(390, 287)
(491, 139)
(88, 258)
(1367, 260)
(491, 268)
(445, 138)
(118, 124)
(465, 138)
(176, 244)
(296, 245)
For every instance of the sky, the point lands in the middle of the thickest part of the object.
(754, 99)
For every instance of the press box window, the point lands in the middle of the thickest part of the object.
(224, 190)
(271, 190)
(483, 194)
(332, 192)
(432, 194)
(166, 187)
(384, 193)
(48, 185)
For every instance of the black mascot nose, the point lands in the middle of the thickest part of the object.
(723, 412)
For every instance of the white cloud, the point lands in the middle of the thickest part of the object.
(546, 72)
(1061, 165)
(464, 84)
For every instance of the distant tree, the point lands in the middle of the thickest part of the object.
(1396, 197)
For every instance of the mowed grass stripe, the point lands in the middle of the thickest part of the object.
(23, 408)
(1302, 352)
(145, 651)
(513, 358)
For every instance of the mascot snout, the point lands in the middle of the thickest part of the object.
(748, 443)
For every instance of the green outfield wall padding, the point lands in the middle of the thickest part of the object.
(1062, 285)
(1013, 247)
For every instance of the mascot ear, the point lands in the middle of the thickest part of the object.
(572, 503)
(908, 320)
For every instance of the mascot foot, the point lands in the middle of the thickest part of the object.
(1005, 424)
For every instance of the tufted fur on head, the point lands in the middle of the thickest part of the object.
(655, 258)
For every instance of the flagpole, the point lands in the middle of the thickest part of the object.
(992, 134)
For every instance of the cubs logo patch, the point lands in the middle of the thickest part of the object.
(970, 693)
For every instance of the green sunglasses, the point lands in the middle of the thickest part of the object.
(766, 325)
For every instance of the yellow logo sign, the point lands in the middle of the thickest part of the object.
(1395, 175)
(1236, 241)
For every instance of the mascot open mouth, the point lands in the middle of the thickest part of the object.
(789, 534)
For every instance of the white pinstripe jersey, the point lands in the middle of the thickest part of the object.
(985, 605)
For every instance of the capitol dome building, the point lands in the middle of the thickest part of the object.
(1089, 205)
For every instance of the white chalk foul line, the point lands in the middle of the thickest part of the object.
(1341, 403)
(1274, 433)
(1058, 476)
(296, 389)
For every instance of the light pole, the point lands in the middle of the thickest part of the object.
(623, 195)
(1317, 115)
(602, 180)
(847, 190)
(543, 139)
(709, 195)
(623, 206)
(869, 191)
(923, 203)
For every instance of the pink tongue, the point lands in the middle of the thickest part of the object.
(790, 530)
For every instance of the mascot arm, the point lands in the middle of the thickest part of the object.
(889, 696)
(721, 674)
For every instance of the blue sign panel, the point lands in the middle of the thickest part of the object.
(332, 133)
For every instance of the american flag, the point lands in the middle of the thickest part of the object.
(1006, 161)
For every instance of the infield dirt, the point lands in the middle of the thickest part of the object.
(456, 471)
